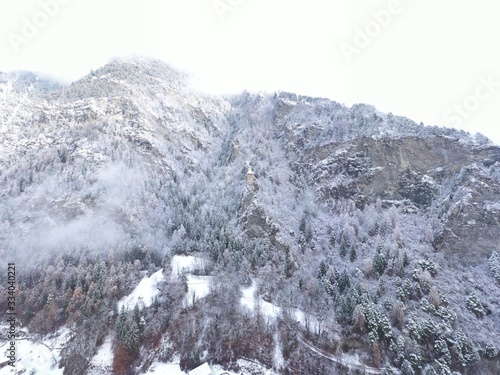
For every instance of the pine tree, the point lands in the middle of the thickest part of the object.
(379, 263)
(490, 351)
(388, 370)
(474, 304)
(303, 224)
(467, 353)
(344, 281)
(121, 326)
(353, 255)
(137, 314)
(332, 240)
(406, 368)
(494, 262)
(138, 319)
(329, 287)
(406, 260)
(132, 339)
(442, 351)
(322, 270)
(156, 304)
(343, 247)
(429, 370)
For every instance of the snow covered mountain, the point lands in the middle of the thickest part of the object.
(361, 239)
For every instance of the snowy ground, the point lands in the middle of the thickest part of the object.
(249, 368)
(248, 300)
(271, 312)
(165, 368)
(198, 286)
(144, 293)
(246, 368)
(102, 363)
(183, 263)
(279, 361)
(41, 355)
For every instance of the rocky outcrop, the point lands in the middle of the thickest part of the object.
(470, 215)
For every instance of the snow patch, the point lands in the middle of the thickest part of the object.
(265, 308)
(428, 179)
(271, 311)
(144, 293)
(165, 368)
(279, 361)
(250, 367)
(102, 363)
(198, 287)
(40, 355)
(492, 206)
(184, 263)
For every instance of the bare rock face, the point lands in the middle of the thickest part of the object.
(471, 214)
(392, 169)
(439, 176)
(255, 222)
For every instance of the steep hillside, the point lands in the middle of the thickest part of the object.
(321, 238)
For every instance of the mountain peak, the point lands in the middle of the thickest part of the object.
(140, 67)
(123, 76)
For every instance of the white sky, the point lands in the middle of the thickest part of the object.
(431, 61)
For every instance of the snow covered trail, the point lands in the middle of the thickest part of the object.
(344, 362)
(307, 321)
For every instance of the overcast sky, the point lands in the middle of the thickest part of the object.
(436, 62)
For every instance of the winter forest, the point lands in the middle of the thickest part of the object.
(153, 224)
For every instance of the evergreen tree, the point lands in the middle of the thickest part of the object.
(344, 281)
(379, 263)
(322, 270)
(121, 326)
(474, 304)
(343, 247)
(494, 262)
(388, 370)
(406, 260)
(442, 351)
(132, 339)
(353, 255)
(332, 240)
(406, 368)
